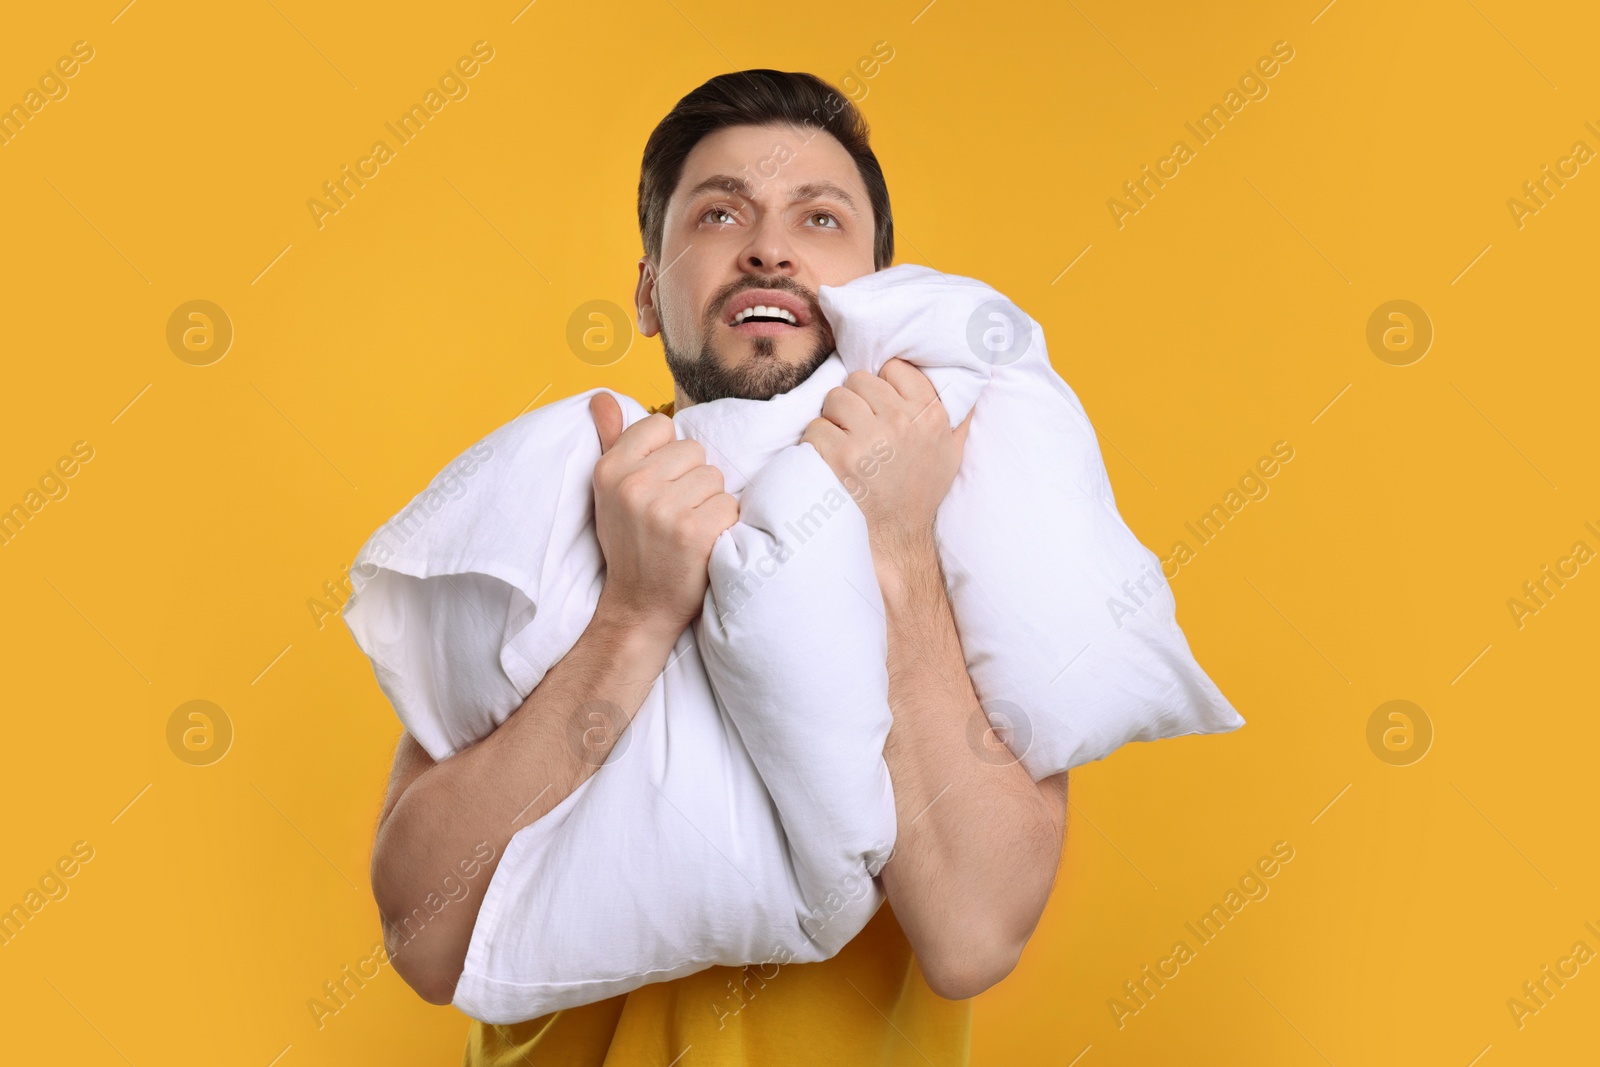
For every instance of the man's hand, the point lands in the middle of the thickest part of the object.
(658, 509)
(978, 841)
(888, 438)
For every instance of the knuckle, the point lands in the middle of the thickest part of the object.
(661, 521)
(656, 429)
(685, 529)
(634, 492)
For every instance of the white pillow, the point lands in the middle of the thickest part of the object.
(744, 814)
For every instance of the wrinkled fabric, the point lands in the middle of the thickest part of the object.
(744, 814)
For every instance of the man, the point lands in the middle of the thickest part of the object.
(755, 190)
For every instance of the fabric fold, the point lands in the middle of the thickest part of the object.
(744, 814)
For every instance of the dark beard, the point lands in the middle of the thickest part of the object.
(762, 375)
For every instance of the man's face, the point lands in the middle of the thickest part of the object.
(762, 216)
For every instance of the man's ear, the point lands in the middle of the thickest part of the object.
(644, 299)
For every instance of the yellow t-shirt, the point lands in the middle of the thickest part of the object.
(866, 1007)
(869, 1006)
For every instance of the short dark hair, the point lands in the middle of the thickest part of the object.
(757, 98)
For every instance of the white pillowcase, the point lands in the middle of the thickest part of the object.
(743, 815)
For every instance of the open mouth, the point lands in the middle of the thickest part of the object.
(764, 321)
(766, 312)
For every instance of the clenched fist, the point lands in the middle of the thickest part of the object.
(888, 438)
(658, 509)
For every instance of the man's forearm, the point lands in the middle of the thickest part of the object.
(487, 792)
(978, 845)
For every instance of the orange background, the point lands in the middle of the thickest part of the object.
(1228, 313)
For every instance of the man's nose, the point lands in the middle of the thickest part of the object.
(769, 250)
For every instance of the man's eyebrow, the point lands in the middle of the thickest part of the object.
(809, 191)
(725, 182)
(821, 191)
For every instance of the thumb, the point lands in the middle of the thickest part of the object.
(607, 419)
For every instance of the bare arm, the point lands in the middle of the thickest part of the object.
(658, 509)
(978, 841)
(441, 816)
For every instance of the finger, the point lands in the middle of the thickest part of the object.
(824, 436)
(846, 408)
(908, 380)
(646, 436)
(720, 511)
(699, 485)
(881, 397)
(675, 459)
(931, 412)
(607, 419)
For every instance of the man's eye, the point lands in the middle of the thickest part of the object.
(719, 211)
(825, 215)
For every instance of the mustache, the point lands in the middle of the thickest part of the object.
(720, 301)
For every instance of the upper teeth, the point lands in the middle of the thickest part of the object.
(779, 313)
